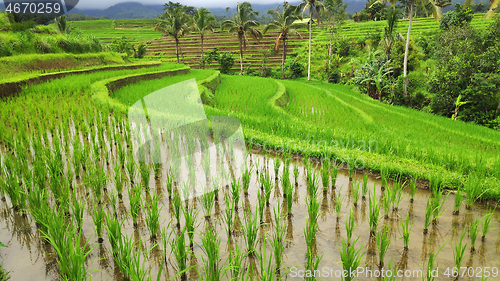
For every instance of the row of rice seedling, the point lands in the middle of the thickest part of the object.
(250, 226)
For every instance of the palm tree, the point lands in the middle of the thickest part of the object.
(203, 21)
(286, 26)
(389, 38)
(434, 9)
(314, 6)
(434, 6)
(494, 4)
(336, 11)
(174, 23)
(243, 23)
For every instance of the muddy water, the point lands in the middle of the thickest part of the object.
(29, 257)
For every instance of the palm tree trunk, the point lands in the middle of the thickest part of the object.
(202, 53)
(330, 48)
(405, 63)
(177, 49)
(283, 60)
(310, 38)
(241, 56)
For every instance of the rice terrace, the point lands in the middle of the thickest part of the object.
(278, 141)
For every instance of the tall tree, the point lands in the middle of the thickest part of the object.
(171, 6)
(389, 38)
(433, 6)
(175, 24)
(243, 23)
(203, 22)
(287, 27)
(336, 12)
(435, 10)
(314, 7)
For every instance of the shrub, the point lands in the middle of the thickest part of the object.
(361, 43)
(43, 46)
(266, 71)
(426, 44)
(122, 45)
(468, 67)
(342, 47)
(294, 70)
(334, 75)
(397, 57)
(4, 21)
(5, 48)
(416, 88)
(226, 62)
(24, 42)
(140, 52)
(459, 17)
(210, 57)
(249, 71)
(22, 26)
(373, 72)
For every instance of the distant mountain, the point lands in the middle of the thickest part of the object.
(126, 10)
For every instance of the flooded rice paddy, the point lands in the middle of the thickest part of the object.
(29, 257)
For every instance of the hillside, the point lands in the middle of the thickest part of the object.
(125, 10)
(164, 48)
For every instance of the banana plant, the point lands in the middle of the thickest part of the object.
(458, 103)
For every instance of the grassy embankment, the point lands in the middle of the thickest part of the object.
(336, 122)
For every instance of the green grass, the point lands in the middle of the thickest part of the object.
(134, 29)
(337, 121)
(26, 66)
(128, 95)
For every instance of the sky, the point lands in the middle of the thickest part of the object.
(102, 4)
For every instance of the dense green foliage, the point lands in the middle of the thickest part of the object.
(27, 42)
(468, 65)
(459, 17)
(27, 38)
(225, 61)
(122, 45)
